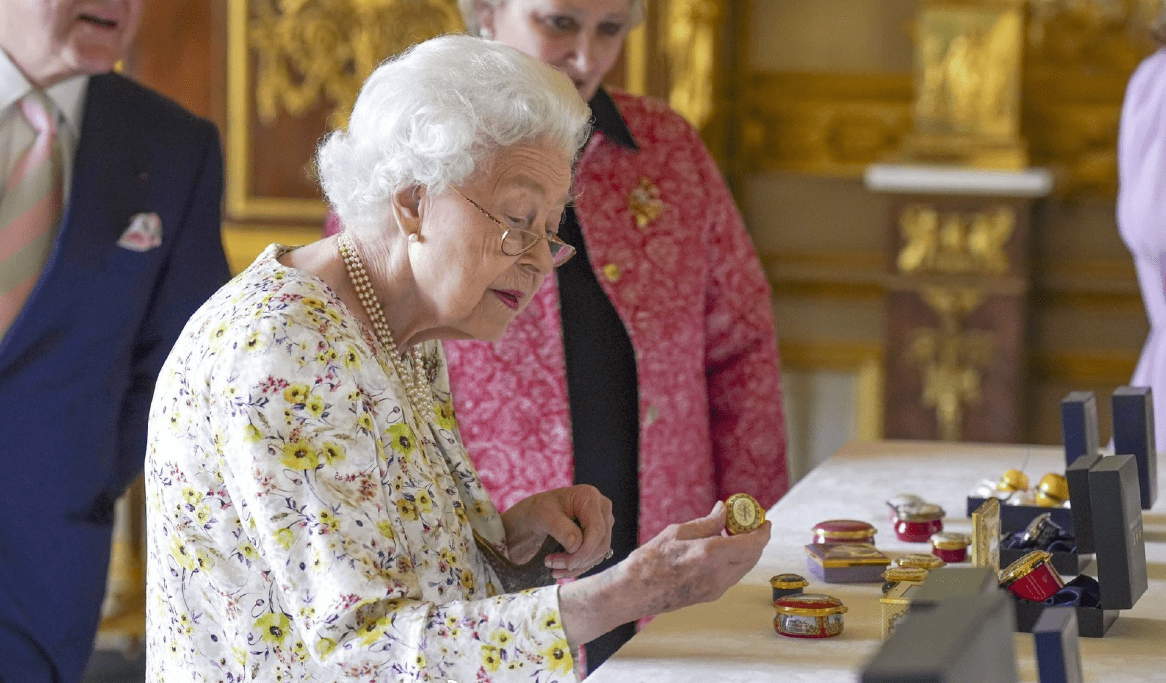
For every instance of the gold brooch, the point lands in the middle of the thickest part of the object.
(644, 202)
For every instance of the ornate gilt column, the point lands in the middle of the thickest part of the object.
(958, 273)
(957, 297)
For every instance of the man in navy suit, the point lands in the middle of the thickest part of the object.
(135, 251)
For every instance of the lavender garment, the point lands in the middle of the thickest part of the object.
(1141, 214)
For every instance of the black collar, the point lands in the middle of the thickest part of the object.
(606, 119)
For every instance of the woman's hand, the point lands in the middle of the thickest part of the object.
(578, 517)
(683, 565)
(692, 562)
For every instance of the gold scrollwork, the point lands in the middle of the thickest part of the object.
(308, 51)
(952, 243)
(952, 359)
(1080, 55)
(822, 123)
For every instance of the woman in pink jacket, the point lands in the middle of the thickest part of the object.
(660, 331)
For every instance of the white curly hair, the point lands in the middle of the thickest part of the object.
(430, 115)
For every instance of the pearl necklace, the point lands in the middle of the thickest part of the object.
(416, 378)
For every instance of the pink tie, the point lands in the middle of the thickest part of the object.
(29, 210)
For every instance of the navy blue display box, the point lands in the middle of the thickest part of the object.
(1118, 531)
(1058, 652)
(1133, 434)
(1078, 478)
(1079, 426)
(1121, 552)
(1092, 622)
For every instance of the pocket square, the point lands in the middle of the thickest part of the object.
(144, 233)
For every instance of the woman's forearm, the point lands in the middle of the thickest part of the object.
(596, 604)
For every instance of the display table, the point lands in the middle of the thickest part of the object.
(732, 640)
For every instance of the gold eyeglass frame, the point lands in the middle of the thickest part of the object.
(556, 245)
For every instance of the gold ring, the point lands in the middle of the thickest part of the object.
(609, 554)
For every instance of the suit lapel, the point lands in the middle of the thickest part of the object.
(109, 183)
(108, 177)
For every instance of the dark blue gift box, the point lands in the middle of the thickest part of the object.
(1082, 594)
(1133, 434)
(1079, 425)
(1121, 553)
(1058, 652)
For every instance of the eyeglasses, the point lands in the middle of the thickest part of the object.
(516, 241)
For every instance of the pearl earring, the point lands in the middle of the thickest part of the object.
(413, 238)
(486, 33)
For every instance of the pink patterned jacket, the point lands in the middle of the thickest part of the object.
(690, 289)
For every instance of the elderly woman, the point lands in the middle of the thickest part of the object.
(1141, 210)
(647, 366)
(313, 515)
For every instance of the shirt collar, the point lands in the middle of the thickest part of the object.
(607, 119)
(68, 96)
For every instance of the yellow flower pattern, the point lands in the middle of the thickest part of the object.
(273, 626)
(305, 525)
(558, 656)
(299, 455)
(401, 438)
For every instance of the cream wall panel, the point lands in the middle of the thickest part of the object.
(806, 35)
(791, 213)
(1115, 327)
(820, 414)
(811, 319)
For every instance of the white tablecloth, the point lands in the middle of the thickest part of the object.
(732, 640)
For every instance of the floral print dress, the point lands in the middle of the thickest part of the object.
(305, 525)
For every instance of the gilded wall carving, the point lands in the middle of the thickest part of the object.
(967, 76)
(294, 68)
(1131, 16)
(834, 124)
(1077, 61)
(966, 108)
(308, 52)
(953, 243)
(1080, 56)
(951, 357)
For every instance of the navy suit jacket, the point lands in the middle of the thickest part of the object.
(78, 365)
